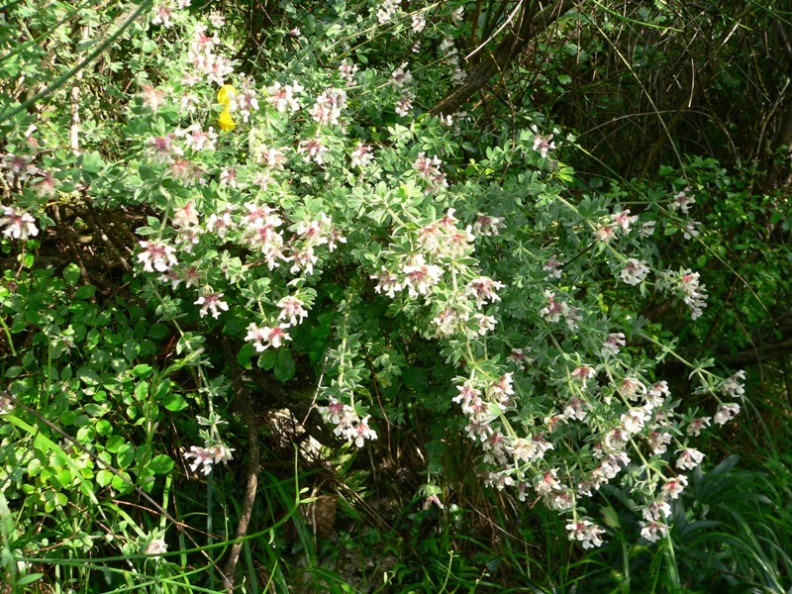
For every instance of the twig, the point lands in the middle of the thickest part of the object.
(254, 455)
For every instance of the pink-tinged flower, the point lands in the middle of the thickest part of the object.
(500, 390)
(212, 303)
(283, 97)
(156, 255)
(553, 267)
(682, 201)
(264, 337)
(303, 260)
(362, 155)
(404, 104)
(654, 531)
(156, 547)
(429, 169)
(152, 97)
(418, 23)
(623, 220)
(327, 109)
(448, 321)
(315, 150)
(401, 76)
(583, 373)
(291, 309)
(554, 309)
(634, 272)
(673, 487)
(696, 425)
(272, 157)
(483, 289)
(520, 358)
(387, 283)
(362, 432)
(726, 412)
(613, 344)
(484, 324)
(634, 420)
(547, 482)
(616, 440)
(162, 13)
(348, 71)
(201, 457)
(432, 500)
(657, 510)
(576, 409)
(691, 229)
(647, 228)
(734, 386)
(689, 459)
(47, 185)
(543, 144)
(658, 442)
(221, 453)
(220, 224)
(585, 532)
(18, 224)
(605, 233)
(487, 226)
(186, 217)
(216, 19)
(228, 177)
(656, 394)
(631, 388)
(420, 277)
(162, 149)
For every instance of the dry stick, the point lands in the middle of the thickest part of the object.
(500, 59)
(254, 454)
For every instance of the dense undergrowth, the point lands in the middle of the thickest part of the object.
(342, 297)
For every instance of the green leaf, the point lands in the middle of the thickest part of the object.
(71, 274)
(14, 371)
(29, 579)
(416, 378)
(91, 162)
(85, 292)
(174, 403)
(88, 376)
(103, 478)
(245, 354)
(284, 365)
(161, 464)
(142, 371)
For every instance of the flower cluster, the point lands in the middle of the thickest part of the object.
(348, 425)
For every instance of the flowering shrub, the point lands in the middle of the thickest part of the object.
(318, 217)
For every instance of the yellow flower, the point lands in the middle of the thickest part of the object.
(225, 121)
(225, 94)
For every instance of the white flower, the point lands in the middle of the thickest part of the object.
(674, 487)
(654, 531)
(292, 310)
(689, 459)
(264, 337)
(156, 255)
(734, 385)
(213, 303)
(420, 276)
(18, 225)
(156, 547)
(483, 289)
(387, 283)
(201, 457)
(726, 412)
(634, 272)
(543, 144)
(585, 532)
